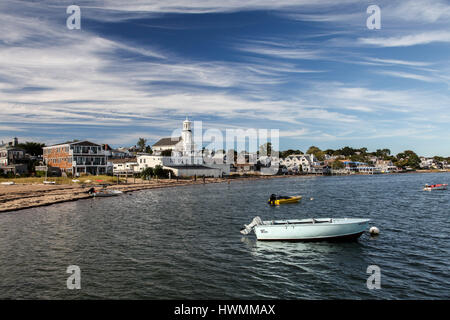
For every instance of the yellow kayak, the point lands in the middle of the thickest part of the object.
(282, 200)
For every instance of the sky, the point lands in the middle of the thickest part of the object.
(310, 68)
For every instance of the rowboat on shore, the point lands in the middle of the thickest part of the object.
(106, 193)
(322, 229)
(435, 187)
(275, 200)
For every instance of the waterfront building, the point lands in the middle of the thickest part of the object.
(77, 157)
(385, 166)
(12, 158)
(115, 153)
(306, 163)
(359, 167)
(428, 163)
(125, 166)
(185, 159)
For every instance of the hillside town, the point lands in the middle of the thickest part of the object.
(180, 157)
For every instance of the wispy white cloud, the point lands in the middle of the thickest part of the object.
(206, 6)
(407, 75)
(408, 40)
(281, 51)
(425, 11)
(399, 62)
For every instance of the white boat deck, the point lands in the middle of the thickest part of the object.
(312, 221)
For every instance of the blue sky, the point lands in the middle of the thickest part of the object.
(311, 69)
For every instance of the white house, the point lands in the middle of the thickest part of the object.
(385, 166)
(301, 162)
(125, 166)
(427, 163)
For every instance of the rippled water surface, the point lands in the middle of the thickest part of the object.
(184, 243)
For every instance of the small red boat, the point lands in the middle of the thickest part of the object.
(435, 187)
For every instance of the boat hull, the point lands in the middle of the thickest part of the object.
(299, 230)
(289, 200)
(109, 193)
(437, 187)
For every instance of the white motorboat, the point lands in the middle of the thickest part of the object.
(328, 229)
(49, 182)
(435, 187)
(8, 183)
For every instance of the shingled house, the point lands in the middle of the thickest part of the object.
(76, 157)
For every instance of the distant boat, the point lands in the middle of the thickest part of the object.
(49, 182)
(328, 229)
(277, 200)
(435, 187)
(106, 193)
(8, 183)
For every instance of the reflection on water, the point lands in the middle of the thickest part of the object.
(184, 242)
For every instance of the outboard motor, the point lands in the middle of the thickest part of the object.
(249, 227)
(272, 199)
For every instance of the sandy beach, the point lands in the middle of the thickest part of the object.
(23, 196)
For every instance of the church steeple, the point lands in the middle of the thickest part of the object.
(186, 125)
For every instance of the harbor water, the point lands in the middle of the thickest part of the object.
(184, 243)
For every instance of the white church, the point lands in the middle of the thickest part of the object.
(185, 158)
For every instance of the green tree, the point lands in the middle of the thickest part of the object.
(148, 150)
(147, 173)
(32, 148)
(408, 158)
(383, 153)
(141, 144)
(363, 150)
(347, 151)
(319, 154)
(158, 171)
(336, 164)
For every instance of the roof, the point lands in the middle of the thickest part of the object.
(9, 147)
(190, 167)
(124, 160)
(167, 142)
(84, 143)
